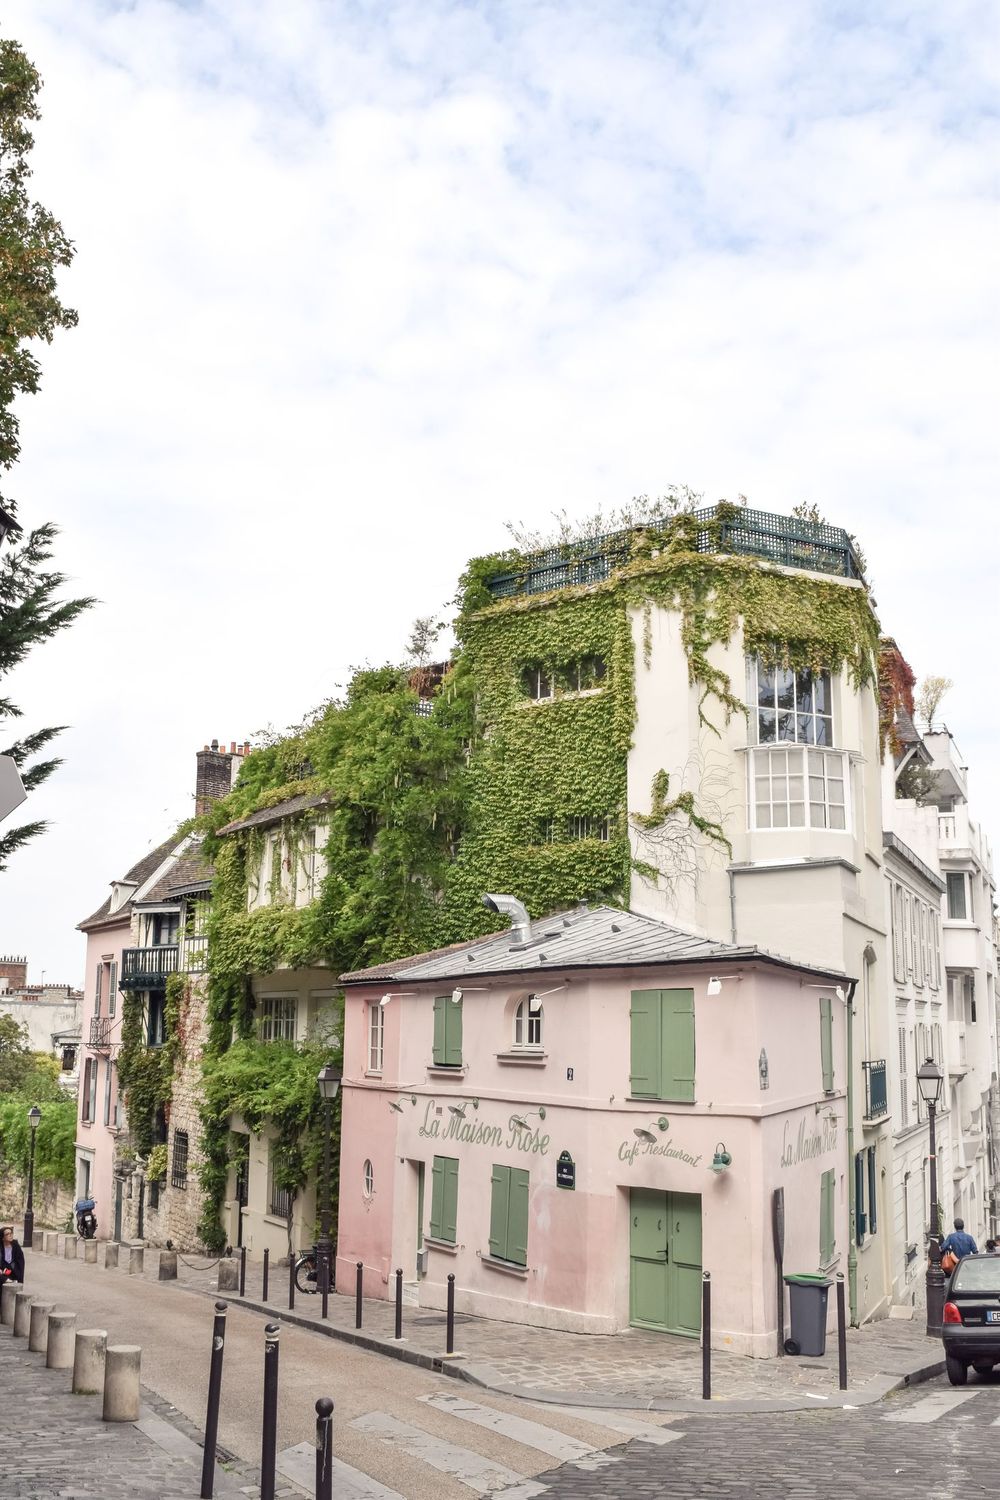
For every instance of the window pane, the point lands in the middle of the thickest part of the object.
(765, 684)
(821, 692)
(765, 728)
(763, 815)
(797, 815)
(838, 817)
(780, 816)
(817, 814)
(835, 790)
(804, 691)
(823, 729)
(786, 727)
(805, 729)
(795, 788)
(785, 686)
(956, 897)
(519, 1025)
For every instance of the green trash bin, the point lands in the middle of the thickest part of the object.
(807, 1296)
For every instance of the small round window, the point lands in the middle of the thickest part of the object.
(369, 1179)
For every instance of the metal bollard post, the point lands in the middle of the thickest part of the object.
(214, 1397)
(359, 1289)
(243, 1270)
(267, 1259)
(324, 1448)
(706, 1336)
(841, 1333)
(269, 1434)
(450, 1344)
(291, 1282)
(399, 1304)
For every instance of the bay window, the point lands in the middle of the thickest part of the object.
(797, 779)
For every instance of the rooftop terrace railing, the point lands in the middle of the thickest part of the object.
(786, 540)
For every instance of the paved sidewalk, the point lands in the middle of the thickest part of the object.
(54, 1444)
(632, 1370)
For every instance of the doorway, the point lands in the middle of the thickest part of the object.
(665, 1261)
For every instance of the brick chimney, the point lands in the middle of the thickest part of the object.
(217, 770)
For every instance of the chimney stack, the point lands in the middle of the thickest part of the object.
(216, 773)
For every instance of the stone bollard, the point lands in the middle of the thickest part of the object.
(88, 1362)
(7, 1298)
(48, 1243)
(134, 1262)
(62, 1340)
(111, 1255)
(69, 1248)
(229, 1275)
(121, 1383)
(168, 1265)
(22, 1315)
(38, 1330)
(90, 1252)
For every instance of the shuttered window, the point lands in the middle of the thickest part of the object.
(509, 1215)
(827, 1238)
(447, 1032)
(872, 1192)
(662, 1035)
(826, 1041)
(444, 1198)
(113, 989)
(860, 1217)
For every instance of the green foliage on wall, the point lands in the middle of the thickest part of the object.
(55, 1138)
(146, 1074)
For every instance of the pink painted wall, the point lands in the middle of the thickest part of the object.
(578, 1241)
(96, 1138)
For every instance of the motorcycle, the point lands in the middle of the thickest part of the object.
(86, 1219)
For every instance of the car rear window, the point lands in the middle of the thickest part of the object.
(978, 1276)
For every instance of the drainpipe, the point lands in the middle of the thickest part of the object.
(732, 905)
(852, 1215)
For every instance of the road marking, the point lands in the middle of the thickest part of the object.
(618, 1421)
(480, 1474)
(932, 1407)
(299, 1465)
(518, 1429)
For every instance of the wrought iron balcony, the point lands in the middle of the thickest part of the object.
(100, 1033)
(148, 968)
(786, 540)
(876, 1096)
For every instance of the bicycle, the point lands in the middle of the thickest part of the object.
(307, 1272)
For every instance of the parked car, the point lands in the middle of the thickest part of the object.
(970, 1328)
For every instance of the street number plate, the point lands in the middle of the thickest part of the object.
(993, 1317)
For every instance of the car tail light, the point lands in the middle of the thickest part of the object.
(951, 1313)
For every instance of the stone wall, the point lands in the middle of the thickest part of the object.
(53, 1203)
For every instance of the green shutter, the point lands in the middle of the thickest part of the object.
(872, 1191)
(826, 1041)
(437, 1197)
(827, 1239)
(440, 1001)
(860, 1221)
(453, 1033)
(499, 1200)
(645, 1017)
(677, 1043)
(517, 1217)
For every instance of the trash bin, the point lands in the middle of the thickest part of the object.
(807, 1296)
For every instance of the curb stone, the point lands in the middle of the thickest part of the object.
(490, 1379)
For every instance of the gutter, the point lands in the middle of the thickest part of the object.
(852, 1211)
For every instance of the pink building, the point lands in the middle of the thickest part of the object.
(581, 1115)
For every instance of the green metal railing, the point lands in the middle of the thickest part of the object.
(786, 540)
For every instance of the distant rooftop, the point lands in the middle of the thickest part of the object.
(786, 540)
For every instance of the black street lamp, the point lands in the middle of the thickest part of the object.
(34, 1115)
(329, 1086)
(929, 1081)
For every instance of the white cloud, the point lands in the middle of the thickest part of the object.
(359, 281)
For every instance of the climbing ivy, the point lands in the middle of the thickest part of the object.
(145, 1073)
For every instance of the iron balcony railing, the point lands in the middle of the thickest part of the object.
(876, 1097)
(100, 1031)
(148, 968)
(787, 540)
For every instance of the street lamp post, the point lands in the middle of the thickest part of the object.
(34, 1115)
(329, 1086)
(929, 1081)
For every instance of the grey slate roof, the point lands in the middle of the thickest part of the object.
(140, 871)
(600, 939)
(275, 814)
(189, 871)
(891, 840)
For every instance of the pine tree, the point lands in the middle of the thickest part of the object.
(33, 247)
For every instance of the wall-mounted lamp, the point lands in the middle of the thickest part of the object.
(398, 995)
(458, 1110)
(714, 986)
(541, 994)
(647, 1135)
(837, 989)
(722, 1159)
(458, 991)
(397, 1104)
(520, 1122)
(762, 1070)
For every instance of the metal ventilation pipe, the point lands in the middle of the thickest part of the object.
(520, 922)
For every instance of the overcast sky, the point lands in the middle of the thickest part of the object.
(358, 282)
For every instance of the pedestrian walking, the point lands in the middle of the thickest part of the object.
(957, 1245)
(11, 1257)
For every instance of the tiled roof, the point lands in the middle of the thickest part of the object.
(275, 814)
(601, 939)
(140, 871)
(190, 870)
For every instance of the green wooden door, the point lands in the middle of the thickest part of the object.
(420, 1207)
(684, 1263)
(648, 1255)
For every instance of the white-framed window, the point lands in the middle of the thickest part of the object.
(799, 787)
(276, 1015)
(528, 1019)
(376, 1034)
(368, 1179)
(791, 706)
(959, 897)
